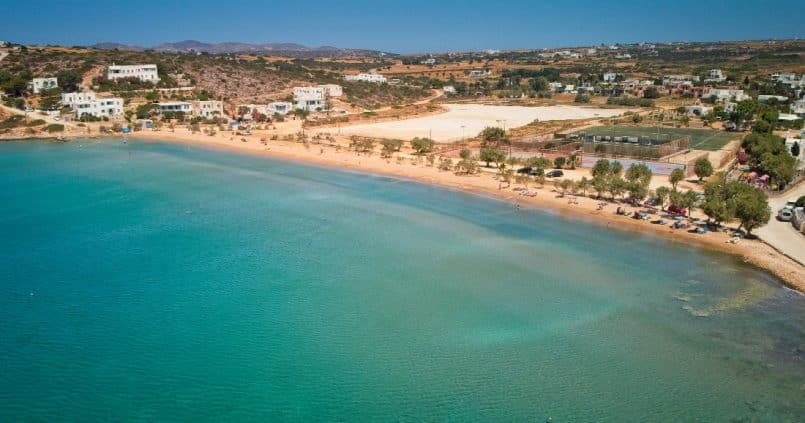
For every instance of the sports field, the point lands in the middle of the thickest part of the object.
(701, 139)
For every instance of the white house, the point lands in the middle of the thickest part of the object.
(208, 109)
(765, 98)
(480, 73)
(798, 108)
(280, 107)
(715, 75)
(624, 56)
(430, 61)
(176, 106)
(71, 99)
(449, 89)
(141, 72)
(698, 110)
(366, 77)
(678, 79)
(309, 98)
(39, 84)
(334, 90)
(721, 94)
(99, 108)
(610, 77)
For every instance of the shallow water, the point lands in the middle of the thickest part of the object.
(149, 281)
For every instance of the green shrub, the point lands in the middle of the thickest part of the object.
(54, 127)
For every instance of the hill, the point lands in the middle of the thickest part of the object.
(280, 49)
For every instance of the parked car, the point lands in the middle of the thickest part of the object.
(785, 214)
(791, 203)
(555, 173)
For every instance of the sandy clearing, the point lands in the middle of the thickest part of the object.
(467, 120)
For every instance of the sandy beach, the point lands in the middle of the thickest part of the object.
(755, 252)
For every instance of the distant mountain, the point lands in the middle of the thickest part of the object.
(112, 46)
(290, 49)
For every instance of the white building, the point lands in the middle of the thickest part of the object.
(309, 98)
(208, 109)
(280, 107)
(142, 72)
(678, 79)
(366, 77)
(610, 77)
(480, 73)
(99, 108)
(721, 94)
(698, 110)
(715, 75)
(333, 90)
(39, 84)
(429, 62)
(71, 99)
(624, 56)
(798, 108)
(449, 89)
(176, 107)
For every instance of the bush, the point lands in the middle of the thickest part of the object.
(54, 127)
(630, 101)
(36, 122)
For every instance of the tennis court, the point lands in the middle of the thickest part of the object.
(701, 139)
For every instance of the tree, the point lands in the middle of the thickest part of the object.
(389, 147)
(601, 168)
(572, 161)
(422, 145)
(539, 84)
(662, 194)
(703, 168)
(600, 185)
(639, 173)
(466, 164)
(795, 149)
(616, 186)
(69, 80)
(492, 134)
(584, 185)
(492, 154)
(615, 168)
(152, 96)
(718, 204)
(800, 202)
(538, 164)
(677, 175)
(752, 208)
(559, 162)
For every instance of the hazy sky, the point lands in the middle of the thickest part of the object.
(399, 26)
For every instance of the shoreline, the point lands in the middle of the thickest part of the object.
(753, 251)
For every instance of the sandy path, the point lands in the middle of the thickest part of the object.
(752, 251)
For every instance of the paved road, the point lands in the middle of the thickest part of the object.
(782, 235)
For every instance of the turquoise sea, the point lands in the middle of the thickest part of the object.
(160, 282)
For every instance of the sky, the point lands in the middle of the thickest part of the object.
(409, 26)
